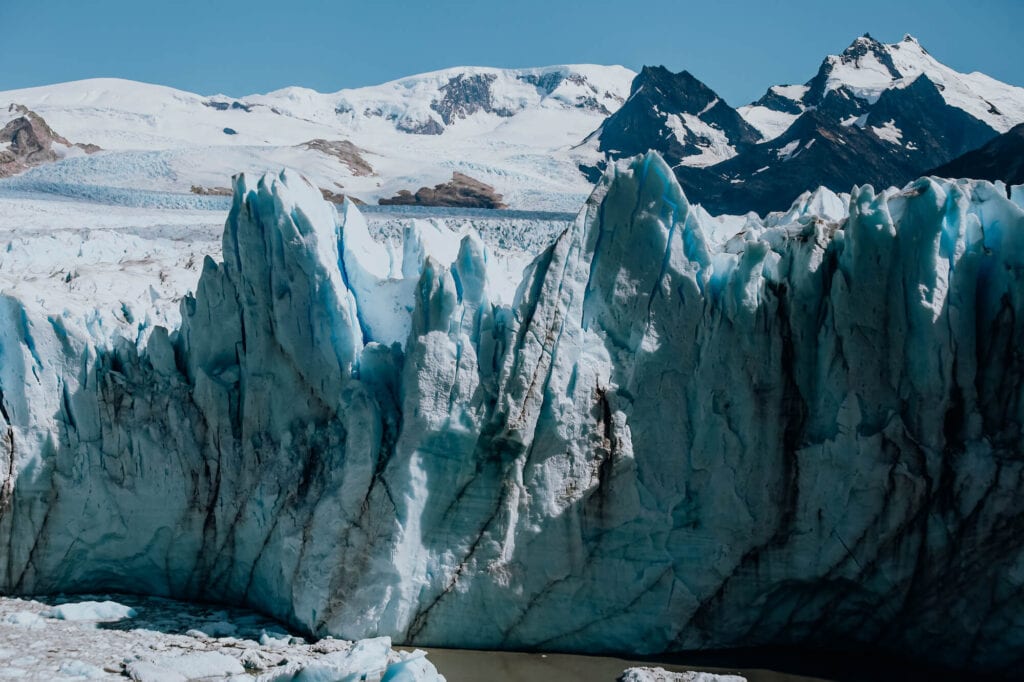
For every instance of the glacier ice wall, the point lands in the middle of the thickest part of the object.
(808, 435)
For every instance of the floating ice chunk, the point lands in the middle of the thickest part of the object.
(91, 610)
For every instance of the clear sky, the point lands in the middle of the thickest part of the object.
(737, 47)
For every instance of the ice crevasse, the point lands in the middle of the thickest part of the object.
(810, 434)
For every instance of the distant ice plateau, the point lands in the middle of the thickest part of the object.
(669, 432)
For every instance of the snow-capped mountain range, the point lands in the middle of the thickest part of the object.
(876, 113)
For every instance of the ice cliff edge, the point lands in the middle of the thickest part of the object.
(811, 435)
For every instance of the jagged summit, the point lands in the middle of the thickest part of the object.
(678, 116)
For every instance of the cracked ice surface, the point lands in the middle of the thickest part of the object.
(803, 432)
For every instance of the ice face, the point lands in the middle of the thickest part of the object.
(806, 434)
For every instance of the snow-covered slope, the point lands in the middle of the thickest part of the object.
(804, 432)
(508, 128)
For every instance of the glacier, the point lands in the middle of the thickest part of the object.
(806, 433)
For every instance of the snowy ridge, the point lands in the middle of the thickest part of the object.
(709, 440)
(996, 103)
(509, 128)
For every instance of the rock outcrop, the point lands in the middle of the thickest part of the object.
(28, 141)
(461, 191)
(1001, 159)
(811, 435)
(345, 152)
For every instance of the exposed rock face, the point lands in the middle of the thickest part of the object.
(548, 83)
(678, 116)
(1001, 159)
(862, 48)
(339, 197)
(28, 141)
(818, 150)
(343, 150)
(875, 114)
(810, 437)
(427, 127)
(461, 190)
(466, 94)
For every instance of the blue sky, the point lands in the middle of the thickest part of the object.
(738, 47)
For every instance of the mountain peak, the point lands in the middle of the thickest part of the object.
(681, 92)
(677, 115)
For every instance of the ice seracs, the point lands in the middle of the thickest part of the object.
(805, 432)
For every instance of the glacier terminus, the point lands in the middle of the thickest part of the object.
(804, 433)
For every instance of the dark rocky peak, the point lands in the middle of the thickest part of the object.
(465, 95)
(674, 92)
(775, 100)
(655, 117)
(930, 129)
(866, 45)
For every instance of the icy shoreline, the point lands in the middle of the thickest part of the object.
(159, 640)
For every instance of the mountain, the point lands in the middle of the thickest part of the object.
(803, 433)
(875, 114)
(840, 143)
(511, 129)
(679, 117)
(868, 68)
(1001, 159)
